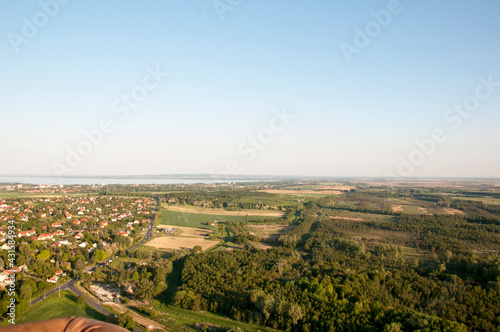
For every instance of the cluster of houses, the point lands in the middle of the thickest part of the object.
(45, 188)
(70, 221)
(7, 276)
(55, 278)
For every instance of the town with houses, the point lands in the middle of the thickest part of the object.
(57, 237)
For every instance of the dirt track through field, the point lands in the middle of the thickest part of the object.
(452, 211)
(270, 231)
(346, 218)
(137, 318)
(397, 208)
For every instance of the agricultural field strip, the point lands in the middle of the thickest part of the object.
(301, 192)
(221, 212)
(485, 200)
(201, 220)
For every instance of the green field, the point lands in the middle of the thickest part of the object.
(485, 200)
(55, 307)
(198, 220)
(184, 320)
(126, 260)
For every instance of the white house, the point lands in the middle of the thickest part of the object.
(53, 279)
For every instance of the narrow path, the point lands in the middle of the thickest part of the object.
(138, 318)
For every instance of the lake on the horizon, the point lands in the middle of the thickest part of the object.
(90, 181)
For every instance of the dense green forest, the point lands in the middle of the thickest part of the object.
(329, 273)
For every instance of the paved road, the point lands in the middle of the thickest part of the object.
(149, 233)
(63, 286)
(70, 285)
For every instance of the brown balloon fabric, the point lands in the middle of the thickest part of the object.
(71, 324)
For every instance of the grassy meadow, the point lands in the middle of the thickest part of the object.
(55, 307)
(199, 220)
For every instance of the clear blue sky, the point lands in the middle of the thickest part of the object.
(352, 118)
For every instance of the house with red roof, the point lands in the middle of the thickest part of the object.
(44, 237)
(61, 243)
(26, 233)
(53, 279)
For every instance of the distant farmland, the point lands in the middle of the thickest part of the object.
(198, 220)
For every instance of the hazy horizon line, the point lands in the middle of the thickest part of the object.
(240, 176)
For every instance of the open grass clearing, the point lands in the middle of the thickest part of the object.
(269, 231)
(126, 261)
(227, 246)
(452, 211)
(55, 307)
(379, 236)
(177, 319)
(412, 206)
(411, 209)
